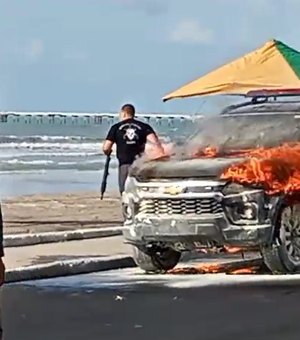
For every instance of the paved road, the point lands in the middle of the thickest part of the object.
(127, 304)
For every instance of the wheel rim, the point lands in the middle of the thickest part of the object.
(290, 232)
(166, 257)
(165, 254)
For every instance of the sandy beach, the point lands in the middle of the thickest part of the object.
(57, 212)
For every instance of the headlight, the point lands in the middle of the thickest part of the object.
(242, 213)
(127, 211)
(233, 188)
(143, 189)
(130, 184)
(243, 205)
(132, 187)
(250, 211)
(130, 206)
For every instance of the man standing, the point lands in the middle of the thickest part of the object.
(2, 267)
(130, 136)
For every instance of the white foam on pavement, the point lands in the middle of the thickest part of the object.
(132, 277)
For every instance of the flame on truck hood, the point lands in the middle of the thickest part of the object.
(276, 169)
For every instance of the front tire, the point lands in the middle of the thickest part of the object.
(160, 260)
(283, 256)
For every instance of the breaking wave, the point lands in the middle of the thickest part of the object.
(24, 153)
(19, 165)
(49, 139)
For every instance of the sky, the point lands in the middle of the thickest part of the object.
(95, 55)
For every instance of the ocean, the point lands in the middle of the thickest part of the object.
(46, 152)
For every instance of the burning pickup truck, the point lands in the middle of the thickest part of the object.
(236, 183)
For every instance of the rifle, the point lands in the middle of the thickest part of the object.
(105, 175)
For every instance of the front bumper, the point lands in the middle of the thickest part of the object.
(203, 231)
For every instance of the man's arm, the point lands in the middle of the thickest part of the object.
(153, 139)
(107, 147)
(109, 141)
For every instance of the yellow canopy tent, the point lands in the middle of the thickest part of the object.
(273, 66)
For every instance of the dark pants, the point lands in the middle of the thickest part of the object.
(123, 173)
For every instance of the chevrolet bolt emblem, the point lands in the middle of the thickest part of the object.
(173, 190)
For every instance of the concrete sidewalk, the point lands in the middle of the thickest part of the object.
(72, 250)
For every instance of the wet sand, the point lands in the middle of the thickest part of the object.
(40, 213)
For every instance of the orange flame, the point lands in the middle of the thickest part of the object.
(276, 169)
(245, 271)
(237, 268)
(207, 152)
(210, 152)
(233, 250)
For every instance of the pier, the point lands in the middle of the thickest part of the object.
(82, 118)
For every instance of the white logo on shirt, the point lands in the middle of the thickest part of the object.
(131, 134)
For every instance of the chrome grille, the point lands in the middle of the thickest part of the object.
(186, 206)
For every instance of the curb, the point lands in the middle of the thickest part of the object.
(21, 240)
(67, 268)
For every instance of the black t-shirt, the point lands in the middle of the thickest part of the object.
(130, 136)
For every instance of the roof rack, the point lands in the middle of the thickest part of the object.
(273, 93)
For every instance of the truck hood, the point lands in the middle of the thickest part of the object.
(177, 169)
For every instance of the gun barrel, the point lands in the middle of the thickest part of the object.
(105, 175)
